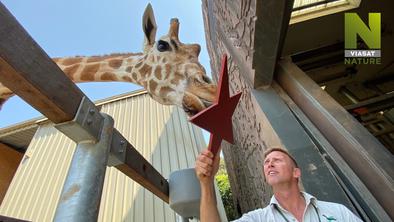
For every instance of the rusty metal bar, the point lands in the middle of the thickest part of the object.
(129, 161)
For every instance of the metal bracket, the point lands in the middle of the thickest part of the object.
(86, 125)
(118, 150)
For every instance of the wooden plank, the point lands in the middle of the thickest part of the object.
(29, 72)
(140, 170)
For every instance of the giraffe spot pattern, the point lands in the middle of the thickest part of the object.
(89, 71)
(158, 72)
(145, 70)
(134, 76)
(94, 59)
(115, 63)
(152, 85)
(108, 76)
(167, 70)
(127, 79)
(138, 65)
(165, 90)
(70, 71)
(177, 78)
(71, 61)
(128, 69)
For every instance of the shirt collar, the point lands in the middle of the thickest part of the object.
(308, 199)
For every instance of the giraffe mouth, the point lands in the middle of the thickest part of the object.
(193, 110)
(197, 99)
(189, 111)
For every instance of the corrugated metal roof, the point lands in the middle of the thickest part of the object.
(19, 138)
(160, 133)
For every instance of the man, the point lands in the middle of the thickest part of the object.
(287, 204)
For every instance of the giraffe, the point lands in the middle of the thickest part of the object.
(168, 69)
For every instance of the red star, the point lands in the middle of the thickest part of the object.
(217, 118)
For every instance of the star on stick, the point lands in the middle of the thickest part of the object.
(217, 118)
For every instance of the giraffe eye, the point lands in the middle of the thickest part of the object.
(163, 46)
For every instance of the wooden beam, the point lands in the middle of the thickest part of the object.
(29, 72)
(135, 166)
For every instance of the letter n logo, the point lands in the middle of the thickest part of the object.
(370, 34)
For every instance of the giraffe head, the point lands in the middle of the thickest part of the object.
(177, 76)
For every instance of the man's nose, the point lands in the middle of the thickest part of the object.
(270, 164)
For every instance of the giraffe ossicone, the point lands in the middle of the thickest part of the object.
(167, 68)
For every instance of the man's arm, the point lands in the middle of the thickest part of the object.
(206, 168)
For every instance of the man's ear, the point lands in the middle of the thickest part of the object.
(297, 172)
(149, 27)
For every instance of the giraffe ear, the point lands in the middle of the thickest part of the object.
(149, 26)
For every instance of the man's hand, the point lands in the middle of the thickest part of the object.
(207, 166)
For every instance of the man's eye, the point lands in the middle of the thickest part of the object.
(163, 46)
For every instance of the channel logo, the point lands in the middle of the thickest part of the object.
(370, 34)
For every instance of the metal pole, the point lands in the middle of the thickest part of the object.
(81, 194)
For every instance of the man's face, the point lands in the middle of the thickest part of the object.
(279, 168)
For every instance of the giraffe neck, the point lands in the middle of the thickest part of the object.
(116, 67)
(137, 68)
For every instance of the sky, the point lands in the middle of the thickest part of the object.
(86, 27)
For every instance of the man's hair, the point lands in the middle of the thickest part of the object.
(270, 150)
